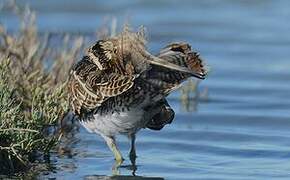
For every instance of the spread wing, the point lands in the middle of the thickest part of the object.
(181, 55)
(89, 86)
(109, 69)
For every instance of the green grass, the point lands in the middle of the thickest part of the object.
(33, 97)
(24, 125)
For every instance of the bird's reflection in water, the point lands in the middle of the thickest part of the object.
(98, 177)
(120, 177)
(116, 174)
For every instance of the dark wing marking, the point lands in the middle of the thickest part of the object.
(181, 55)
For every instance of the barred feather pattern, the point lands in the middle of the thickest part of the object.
(114, 76)
(89, 86)
(107, 70)
(167, 80)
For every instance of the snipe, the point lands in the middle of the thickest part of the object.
(119, 87)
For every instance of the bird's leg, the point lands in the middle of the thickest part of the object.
(132, 153)
(112, 145)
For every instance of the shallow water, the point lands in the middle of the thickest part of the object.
(240, 131)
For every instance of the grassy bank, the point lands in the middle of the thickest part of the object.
(33, 96)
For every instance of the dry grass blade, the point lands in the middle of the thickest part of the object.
(33, 97)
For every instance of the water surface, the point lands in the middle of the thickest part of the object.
(240, 131)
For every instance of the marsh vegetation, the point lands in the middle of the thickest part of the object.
(33, 96)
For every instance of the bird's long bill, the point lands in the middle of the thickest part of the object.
(163, 63)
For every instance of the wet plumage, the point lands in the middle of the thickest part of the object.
(119, 87)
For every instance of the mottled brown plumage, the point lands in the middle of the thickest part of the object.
(119, 87)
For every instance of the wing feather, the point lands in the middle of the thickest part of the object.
(181, 55)
(89, 86)
(111, 66)
(117, 85)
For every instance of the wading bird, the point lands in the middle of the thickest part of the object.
(119, 87)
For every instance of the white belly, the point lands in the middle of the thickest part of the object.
(126, 122)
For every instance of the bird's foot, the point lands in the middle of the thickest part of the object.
(118, 162)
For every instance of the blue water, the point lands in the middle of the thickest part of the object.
(240, 131)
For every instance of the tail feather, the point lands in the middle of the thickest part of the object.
(181, 55)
